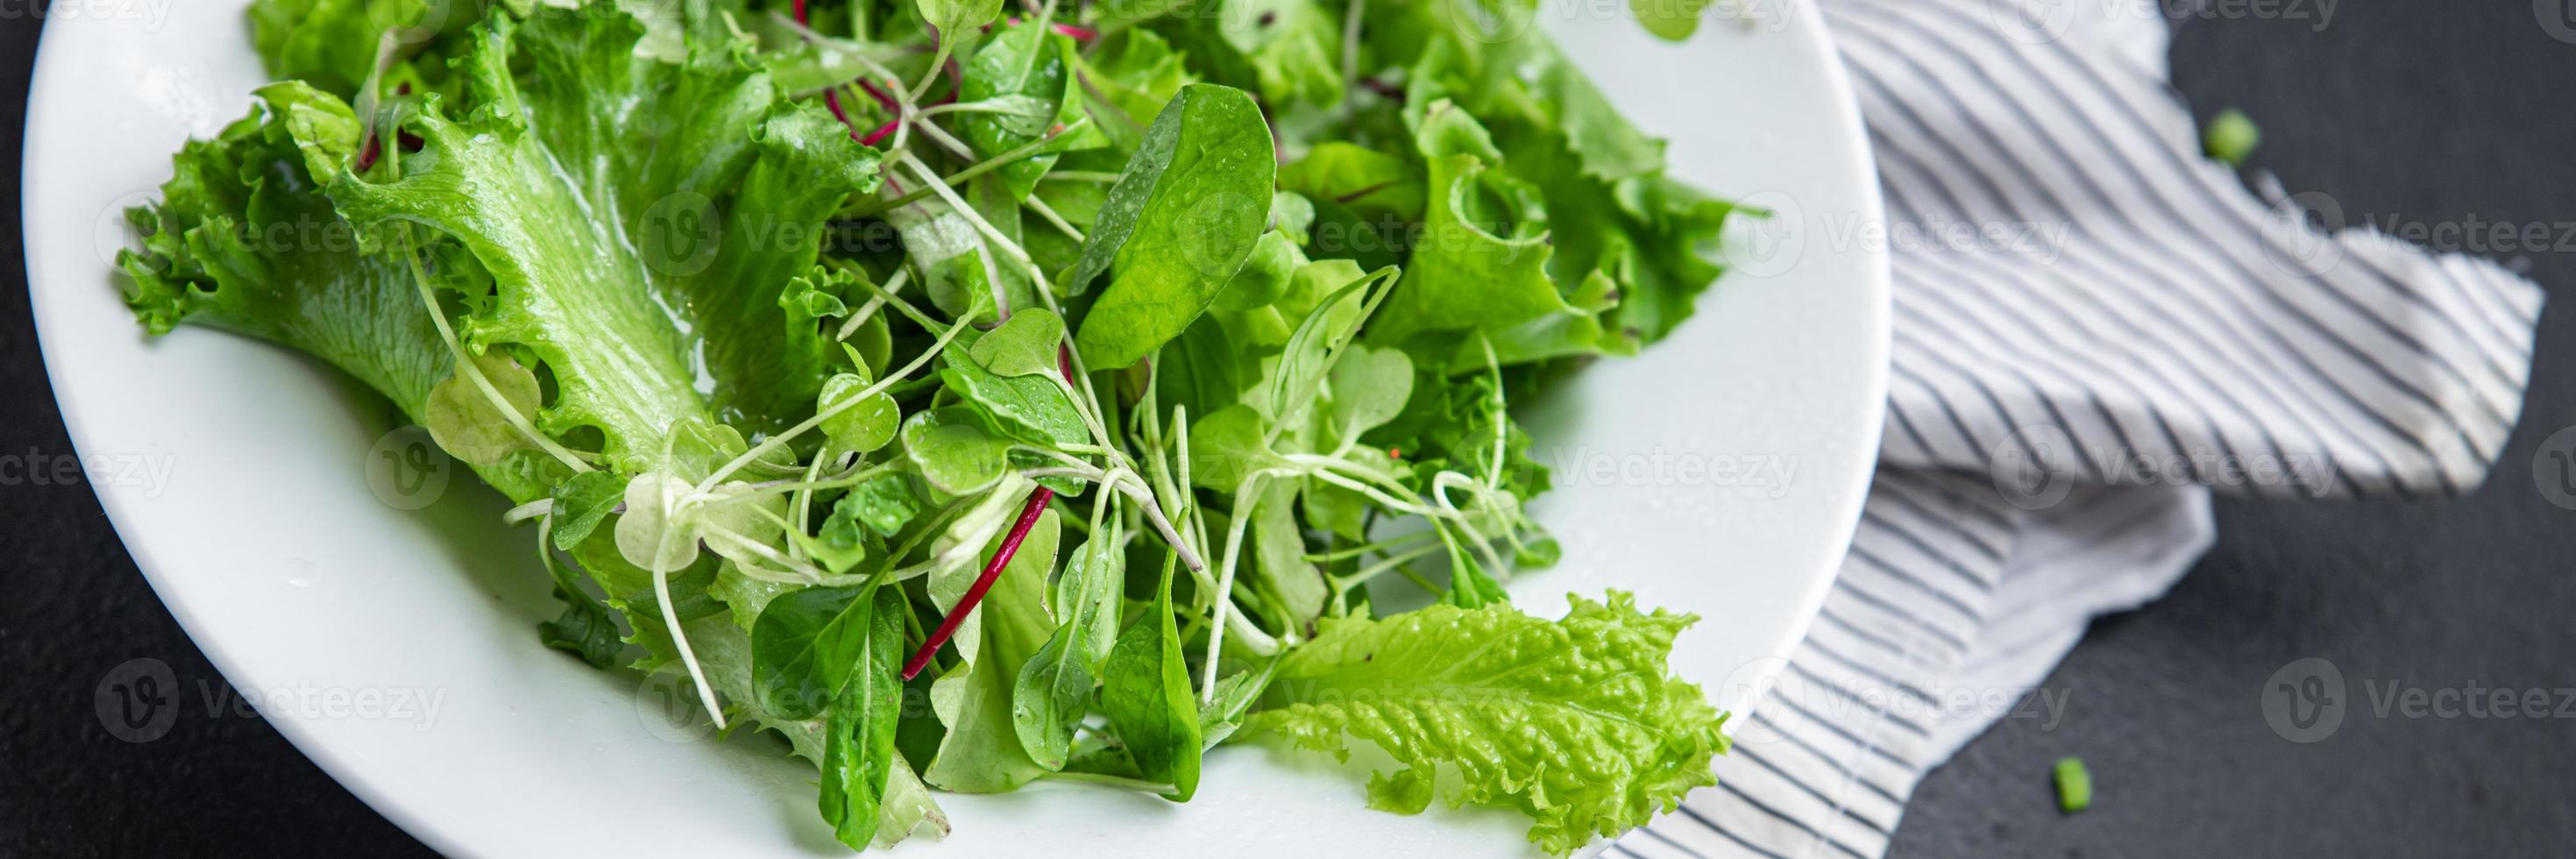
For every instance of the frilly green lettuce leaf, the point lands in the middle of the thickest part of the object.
(1576, 722)
(241, 241)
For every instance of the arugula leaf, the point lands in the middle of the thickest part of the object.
(1178, 224)
(858, 749)
(1576, 723)
(1147, 696)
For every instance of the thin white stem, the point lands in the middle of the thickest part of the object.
(807, 425)
(1225, 585)
(794, 571)
(941, 136)
(892, 285)
(994, 236)
(1048, 212)
(938, 64)
(1388, 563)
(466, 367)
(671, 614)
(1125, 481)
(530, 510)
(1374, 494)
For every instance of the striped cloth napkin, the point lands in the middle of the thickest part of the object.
(2130, 330)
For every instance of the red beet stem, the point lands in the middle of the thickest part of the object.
(883, 100)
(832, 99)
(880, 134)
(367, 154)
(983, 582)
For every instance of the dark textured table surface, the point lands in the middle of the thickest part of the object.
(2454, 114)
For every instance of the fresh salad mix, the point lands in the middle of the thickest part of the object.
(972, 396)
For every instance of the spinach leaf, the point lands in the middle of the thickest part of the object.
(584, 627)
(1235, 695)
(1054, 689)
(1178, 224)
(1202, 369)
(806, 645)
(1027, 64)
(858, 743)
(581, 503)
(1024, 345)
(1147, 696)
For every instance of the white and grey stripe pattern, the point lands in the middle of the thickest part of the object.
(2063, 401)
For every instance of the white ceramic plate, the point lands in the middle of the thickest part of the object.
(1720, 473)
